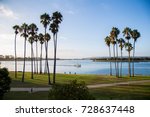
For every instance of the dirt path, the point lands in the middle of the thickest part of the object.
(115, 84)
(30, 89)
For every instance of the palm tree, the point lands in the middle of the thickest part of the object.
(135, 35)
(45, 20)
(129, 47)
(108, 41)
(57, 19)
(32, 33)
(16, 28)
(113, 42)
(24, 33)
(121, 43)
(127, 34)
(41, 39)
(115, 32)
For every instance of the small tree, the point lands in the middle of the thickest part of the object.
(72, 91)
(5, 81)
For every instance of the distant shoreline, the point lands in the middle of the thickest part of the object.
(120, 60)
(102, 59)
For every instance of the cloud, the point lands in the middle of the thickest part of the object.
(6, 12)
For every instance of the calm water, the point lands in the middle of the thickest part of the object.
(87, 67)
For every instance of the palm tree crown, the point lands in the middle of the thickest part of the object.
(54, 28)
(115, 32)
(24, 30)
(135, 35)
(47, 37)
(57, 17)
(33, 29)
(121, 42)
(16, 28)
(41, 38)
(107, 41)
(127, 33)
(128, 46)
(45, 19)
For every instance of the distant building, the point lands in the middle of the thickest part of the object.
(1, 56)
(9, 56)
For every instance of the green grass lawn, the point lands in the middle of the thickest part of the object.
(26, 96)
(132, 91)
(124, 92)
(42, 80)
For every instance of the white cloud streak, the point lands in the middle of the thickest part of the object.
(6, 12)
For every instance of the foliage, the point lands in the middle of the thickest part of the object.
(5, 81)
(72, 91)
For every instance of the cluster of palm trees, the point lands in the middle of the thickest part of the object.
(116, 43)
(30, 34)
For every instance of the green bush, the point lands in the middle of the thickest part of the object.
(72, 91)
(4, 82)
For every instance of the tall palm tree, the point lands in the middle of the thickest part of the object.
(129, 47)
(127, 34)
(121, 43)
(113, 42)
(16, 28)
(108, 41)
(45, 20)
(24, 33)
(57, 19)
(32, 33)
(115, 32)
(47, 38)
(41, 40)
(135, 35)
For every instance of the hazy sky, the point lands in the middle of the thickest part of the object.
(85, 24)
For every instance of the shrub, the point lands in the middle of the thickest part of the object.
(72, 91)
(4, 82)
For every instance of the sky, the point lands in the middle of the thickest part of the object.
(85, 25)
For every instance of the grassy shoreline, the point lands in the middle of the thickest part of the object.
(41, 80)
(139, 91)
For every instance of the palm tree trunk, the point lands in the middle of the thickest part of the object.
(41, 61)
(55, 49)
(129, 65)
(49, 82)
(24, 59)
(15, 57)
(110, 61)
(115, 59)
(133, 59)
(45, 70)
(121, 65)
(31, 61)
(36, 58)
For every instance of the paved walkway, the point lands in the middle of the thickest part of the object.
(89, 86)
(115, 84)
